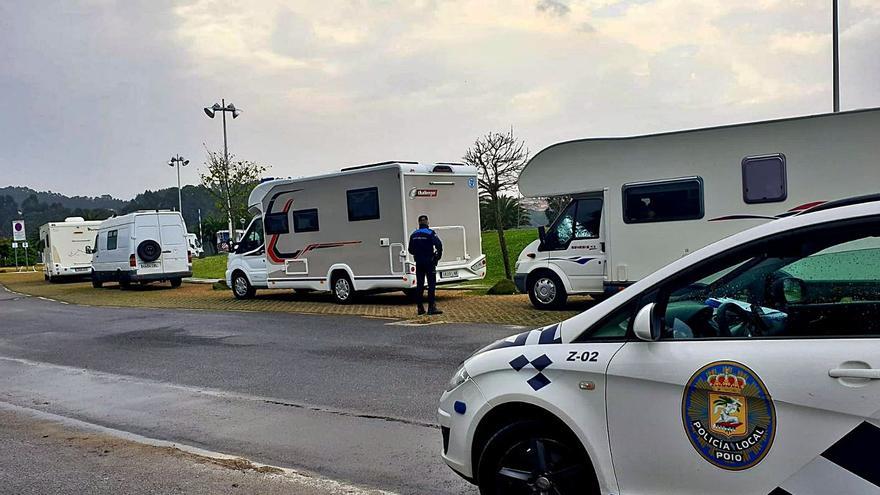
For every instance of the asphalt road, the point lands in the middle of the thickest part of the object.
(308, 378)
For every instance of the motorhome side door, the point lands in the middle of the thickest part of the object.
(577, 245)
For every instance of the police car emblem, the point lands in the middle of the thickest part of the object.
(728, 415)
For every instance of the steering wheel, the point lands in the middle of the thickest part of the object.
(734, 321)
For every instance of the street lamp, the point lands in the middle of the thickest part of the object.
(178, 161)
(210, 112)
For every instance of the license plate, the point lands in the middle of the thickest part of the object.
(449, 274)
(149, 265)
(81, 269)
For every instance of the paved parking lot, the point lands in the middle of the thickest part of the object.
(458, 306)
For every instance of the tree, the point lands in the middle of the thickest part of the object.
(512, 213)
(499, 158)
(230, 186)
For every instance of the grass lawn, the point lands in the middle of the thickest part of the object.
(215, 266)
(516, 241)
(210, 267)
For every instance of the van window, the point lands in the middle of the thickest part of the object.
(363, 204)
(111, 240)
(305, 220)
(580, 220)
(277, 223)
(764, 179)
(252, 239)
(95, 249)
(663, 201)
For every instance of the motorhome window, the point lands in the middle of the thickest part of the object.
(111, 240)
(363, 204)
(95, 250)
(252, 239)
(277, 223)
(305, 220)
(561, 233)
(587, 220)
(764, 179)
(666, 201)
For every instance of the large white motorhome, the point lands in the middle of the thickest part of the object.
(141, 247)
(641, 202)
(64, 246)
(348, 231)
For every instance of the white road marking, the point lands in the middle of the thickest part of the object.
(330, 486)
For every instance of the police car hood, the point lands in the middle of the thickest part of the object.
(551, 334)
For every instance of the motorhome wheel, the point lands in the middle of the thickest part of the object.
(343, 291)
(241, 288)
(546, 291)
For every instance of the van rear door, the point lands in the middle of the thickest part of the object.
(173, 242)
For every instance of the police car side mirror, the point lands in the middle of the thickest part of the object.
(645, 326)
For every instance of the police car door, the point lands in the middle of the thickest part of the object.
(780, 395)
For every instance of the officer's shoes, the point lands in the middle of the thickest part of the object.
(421, 310)
(434, 311)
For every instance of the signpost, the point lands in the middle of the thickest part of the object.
(19, 235)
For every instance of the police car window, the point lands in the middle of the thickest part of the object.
(305, 220)
(811, 287)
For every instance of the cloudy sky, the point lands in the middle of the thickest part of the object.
(98, 94)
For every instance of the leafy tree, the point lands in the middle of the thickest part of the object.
(555, 205)
(231, 185)
(499, 158)
(512, 213)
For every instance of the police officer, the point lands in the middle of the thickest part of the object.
(427, 250)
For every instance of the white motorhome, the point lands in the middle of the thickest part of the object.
(142, 247)
(348, 231)
(65, 248)
(641, 202)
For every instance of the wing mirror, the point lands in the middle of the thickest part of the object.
(791, 290)
(645, 326)
(88, 249)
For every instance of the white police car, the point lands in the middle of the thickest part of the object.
(749, 367)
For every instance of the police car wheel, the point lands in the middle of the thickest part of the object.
(342, 289)
(241, 288)
(546, 291)
(532, 457)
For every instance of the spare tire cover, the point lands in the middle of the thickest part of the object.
(149, 250)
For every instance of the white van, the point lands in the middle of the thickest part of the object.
(639, 203)
(65, 248)
(145, 246)
(348, 231)
(195, 245)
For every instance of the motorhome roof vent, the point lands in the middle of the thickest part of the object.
(74, 219)
(370, 165)
(266, 179)
(442, 169)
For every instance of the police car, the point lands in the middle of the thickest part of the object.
(751, 366)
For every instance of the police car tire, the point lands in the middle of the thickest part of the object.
(561, 295)
(149, 250)
(508, 437)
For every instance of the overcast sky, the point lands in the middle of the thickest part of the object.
(98, 94)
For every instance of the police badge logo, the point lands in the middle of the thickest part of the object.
(728, 415)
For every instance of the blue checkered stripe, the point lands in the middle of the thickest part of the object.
(540, 363)
(551, 334)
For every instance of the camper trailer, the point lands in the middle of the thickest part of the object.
(141, 247)
(348, 231)
(638, 203)
(64, 246)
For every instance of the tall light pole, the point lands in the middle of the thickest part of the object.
(210, 112)
(836, 56)
(178, 161)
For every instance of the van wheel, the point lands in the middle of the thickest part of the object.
(149, 250)
(175, 282)
(342, 289)
(124, 283)
(531, 456)
(241, 288)
(96, 282)
(546, 291)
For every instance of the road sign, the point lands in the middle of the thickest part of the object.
(14, 245)
(18, 233)
(24, 245)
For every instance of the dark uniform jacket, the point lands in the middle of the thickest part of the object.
(422, 245)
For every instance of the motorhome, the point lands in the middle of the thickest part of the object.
(141, 247)
(638, 203)
(195, 245)
(64, 247)
(347, 231)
